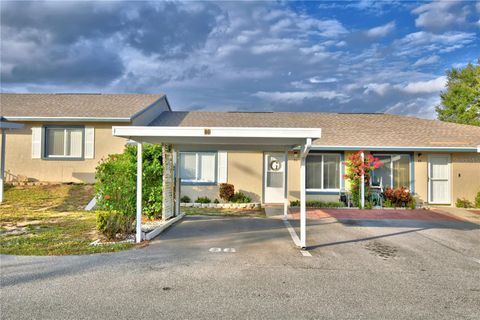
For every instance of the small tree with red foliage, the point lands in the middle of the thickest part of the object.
(355, 168)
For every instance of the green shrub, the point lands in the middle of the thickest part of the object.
(295, 203)
(463, 203)
(203, 200)
(240, 197)
(412, 204)
(477, 200)
(185, 199)
(318, 204)
(111, 223)
(226, 191)
(216, 201)
(116, 181)
(368, 205)
(388, 203)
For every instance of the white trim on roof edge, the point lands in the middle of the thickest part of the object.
(70, 119)
(396, 148)
(223, 132)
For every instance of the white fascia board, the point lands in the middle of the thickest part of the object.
(395, 148)
(69, 119)
(217, 132)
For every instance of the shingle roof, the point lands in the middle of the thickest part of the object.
(13, 105)
(340, 129)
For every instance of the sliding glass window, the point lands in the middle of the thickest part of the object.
(323, 172)
(394, 172)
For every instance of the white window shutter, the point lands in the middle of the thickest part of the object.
(36, 142)
(89, 143)
(222, 166)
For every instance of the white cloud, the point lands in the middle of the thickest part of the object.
(418, 107)
(381, 31)
(440, 14)
(318, 79)
(421, 41)
(426, 60)
(299, 96)
(430, 86)
(378, 88)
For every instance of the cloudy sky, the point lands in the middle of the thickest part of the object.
(365, 56)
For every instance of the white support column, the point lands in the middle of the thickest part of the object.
(303, 193)
(362, 184)
(303, 198)
(178, 186)
(2, 165)
(285, 185)
(138, 237)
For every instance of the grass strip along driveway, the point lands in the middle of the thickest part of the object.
(49, 220)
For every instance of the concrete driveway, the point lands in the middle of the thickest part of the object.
(357, 271)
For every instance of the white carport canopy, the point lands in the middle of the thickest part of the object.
(224, 138)
(4, 125)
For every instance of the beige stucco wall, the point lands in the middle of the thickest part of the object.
(193, 192)
(19, 156)
(465, 175)
(244, 171)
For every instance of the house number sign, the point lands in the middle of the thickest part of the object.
(274, 165)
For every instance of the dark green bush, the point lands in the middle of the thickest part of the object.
(116, 181)
(111, 223)
(368, 205)
(226, 191)
(216, 201)
(477, 200)
(203, 200)
(185, 199)
(318, 204)
(463, 203)
(240, 197)
(412, 204)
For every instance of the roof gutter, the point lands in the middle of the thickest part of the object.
(68, 119)
(396, 148)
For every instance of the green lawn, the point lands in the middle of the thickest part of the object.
(49, 220)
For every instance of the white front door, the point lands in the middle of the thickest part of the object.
(439, 179)
(274, 178)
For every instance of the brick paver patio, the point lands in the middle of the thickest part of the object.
(374, 214)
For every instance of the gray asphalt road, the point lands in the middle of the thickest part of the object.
(358, 270)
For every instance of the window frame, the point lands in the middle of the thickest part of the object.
(410, 168)
(322, 189)
(197, 166)
(45, 142)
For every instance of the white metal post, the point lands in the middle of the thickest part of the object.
(362, 183)
(2, 165)
(285, 185)
(303, 196)
(138, 237)
(177, 183)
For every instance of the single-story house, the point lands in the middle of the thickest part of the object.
(65, 135)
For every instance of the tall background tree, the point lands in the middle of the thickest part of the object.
(461, 101)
